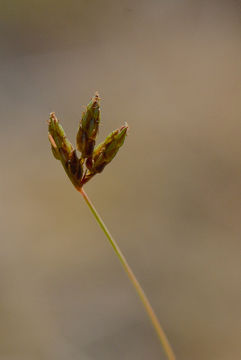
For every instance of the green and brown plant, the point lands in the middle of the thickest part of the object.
(81, 169)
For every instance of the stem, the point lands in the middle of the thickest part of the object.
(133, 279)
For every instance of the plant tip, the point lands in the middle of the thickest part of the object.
(93, 158)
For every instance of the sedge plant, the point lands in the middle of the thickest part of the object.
(81, 169)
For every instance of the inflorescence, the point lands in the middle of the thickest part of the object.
(92, 159)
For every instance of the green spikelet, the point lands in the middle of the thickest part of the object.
(88, 128)
(107, 150)
(64, 147)
(63, 150)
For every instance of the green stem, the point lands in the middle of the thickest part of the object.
(133, 279)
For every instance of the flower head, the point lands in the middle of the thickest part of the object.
(93, 159)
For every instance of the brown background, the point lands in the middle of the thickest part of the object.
(171, 198)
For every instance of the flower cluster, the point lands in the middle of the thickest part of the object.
(93, 159)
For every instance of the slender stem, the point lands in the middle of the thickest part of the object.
(133, 279)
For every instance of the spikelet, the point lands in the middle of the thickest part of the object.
(88, 128)
(63, 150)
(107, 150)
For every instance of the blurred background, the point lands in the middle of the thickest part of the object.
(171, 69)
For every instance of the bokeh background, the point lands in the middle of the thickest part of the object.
(171, 69)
